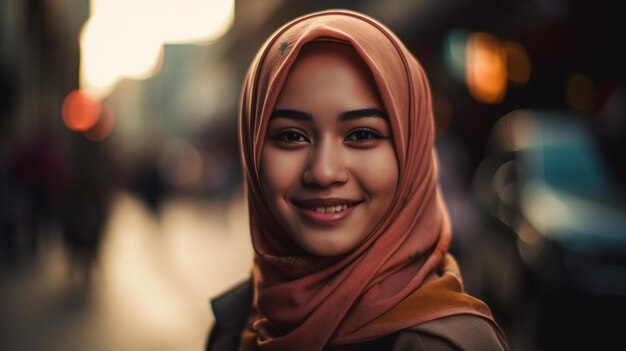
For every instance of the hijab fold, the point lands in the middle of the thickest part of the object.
(306, 302)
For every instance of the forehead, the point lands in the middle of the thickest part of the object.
(320, 57)
(327, 73)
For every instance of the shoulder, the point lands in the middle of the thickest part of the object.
(458, 332)
(231, 311)
(236, 298)
(454, 333)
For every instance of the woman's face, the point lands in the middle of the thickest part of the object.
(328, 169)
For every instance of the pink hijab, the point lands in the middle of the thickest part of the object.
(306, 302)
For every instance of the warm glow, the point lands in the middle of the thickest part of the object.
(516, 130)
(486, 74)
(112, 51)
(104, 126)
(125, 38)
(80, 112)
(518, 63)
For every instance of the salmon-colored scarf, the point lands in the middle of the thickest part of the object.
(304, 302)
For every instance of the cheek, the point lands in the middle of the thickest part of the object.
(280, 172)
(377, 172)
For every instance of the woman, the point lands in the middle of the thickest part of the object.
(347, 220)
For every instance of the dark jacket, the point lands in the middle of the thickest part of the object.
(459, 332)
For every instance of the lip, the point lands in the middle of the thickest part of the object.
(325, 201)
(306, 208)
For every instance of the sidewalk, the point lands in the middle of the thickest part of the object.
(150, 289)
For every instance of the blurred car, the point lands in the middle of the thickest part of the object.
(551, 196)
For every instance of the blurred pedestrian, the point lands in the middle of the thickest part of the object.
(85, 207)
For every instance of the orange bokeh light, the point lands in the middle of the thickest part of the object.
(518, 63)
(486, 74)
(80, 112)
(103, 126)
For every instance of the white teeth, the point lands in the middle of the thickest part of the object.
(331, 209)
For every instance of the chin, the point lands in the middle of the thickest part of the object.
(326, 248)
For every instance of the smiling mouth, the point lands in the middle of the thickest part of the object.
(325, 210)
(330, 209)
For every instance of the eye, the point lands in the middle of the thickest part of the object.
(289, 136)
(363, 135)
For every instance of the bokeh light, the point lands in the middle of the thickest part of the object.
(80, 111)
(486, 74)
(103, 126)
(113, 49)
(485, 64)
(124, 39)
(454, 52)
(518, 63)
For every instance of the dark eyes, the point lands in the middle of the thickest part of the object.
(289, 136)
(360, 135)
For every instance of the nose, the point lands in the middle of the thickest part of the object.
(326, 166)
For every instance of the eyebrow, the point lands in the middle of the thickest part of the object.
(292, 114)
(365, 112)
(344, 116)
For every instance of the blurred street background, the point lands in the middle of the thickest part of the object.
(121, 208)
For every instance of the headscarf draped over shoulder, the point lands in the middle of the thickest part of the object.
(306, 302)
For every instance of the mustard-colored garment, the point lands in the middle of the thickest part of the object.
(471, 328)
